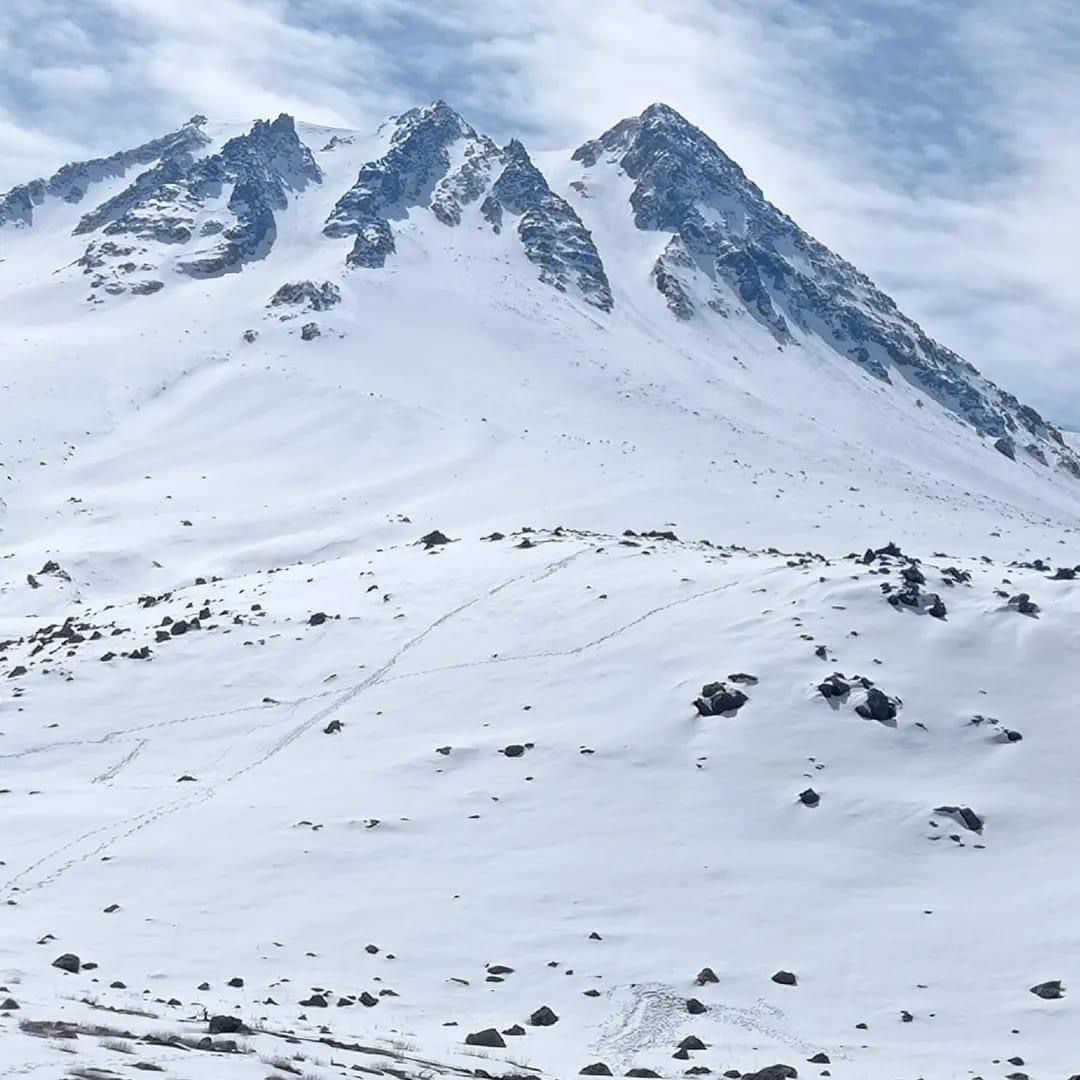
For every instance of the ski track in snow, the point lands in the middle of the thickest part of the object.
(114, 832)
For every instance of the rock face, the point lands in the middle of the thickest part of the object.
(733, 252)
(307, 295)
(551, 233)
(74, 182)
(418, 172)
(243, 185)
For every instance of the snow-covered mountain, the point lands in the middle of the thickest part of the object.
(519, 613)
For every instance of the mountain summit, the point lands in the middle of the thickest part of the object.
(200, 203)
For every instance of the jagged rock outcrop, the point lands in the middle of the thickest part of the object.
(551, 232)
(308, 295)
(417, 172)
(73, 182)
(414, 172)
(732, 250)
(257, 170)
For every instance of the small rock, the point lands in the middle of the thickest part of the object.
(599, 1069)
(785, 978)
(316, 1001)
(1049, 991)
(706, 975)
(695, 1007)
(514, 750)
(691, 1042)
(8, 1005)
(809, 797)
(820, 1059)
(69, 962)
(368, 1000)
(516, 1029)
(236, 982)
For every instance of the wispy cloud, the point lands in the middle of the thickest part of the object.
(933, 144)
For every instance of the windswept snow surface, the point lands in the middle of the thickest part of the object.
(171, 470)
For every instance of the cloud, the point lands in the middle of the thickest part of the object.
(931, 144)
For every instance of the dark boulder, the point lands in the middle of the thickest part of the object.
(692, 1042)
(225, 1025)
(877, 707)
(599, 1069)
(695, 1007)
(809, 797)
(435, 538)
(69, 962)
(1049, 991)
(487, 1037)
(721, 700)
(785, 978)
(964, 814)
(833, 686)
(706, 975)
(543, 1017)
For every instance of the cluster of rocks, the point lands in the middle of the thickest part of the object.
(718, 699)
(877, 704)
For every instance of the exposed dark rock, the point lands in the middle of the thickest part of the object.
(516, 1029)
(514, 750)
(1049, 991)
(316, 1001)
(68, 962)
(695, 1007)
(434, 539)
(310, 331)
(717, 699)
(368, 1000)
(706, 975)
(225, 1025)
(1006, 446)
(487, 1037)
(833, 687)
(1023, 603)
(691, 1042)
(599, 1069)
(8, 1005)
(820, 1059)
(314, 297)
(877, 707)
(236, 982)
(785, 978)
(317, 619)
(773, 1072)
(543, 1017)
(964, 814)
(809, 797)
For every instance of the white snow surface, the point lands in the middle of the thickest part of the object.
(145, 445)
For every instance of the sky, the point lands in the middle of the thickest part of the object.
(934, 143)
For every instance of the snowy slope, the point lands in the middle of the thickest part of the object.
(475, 339)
